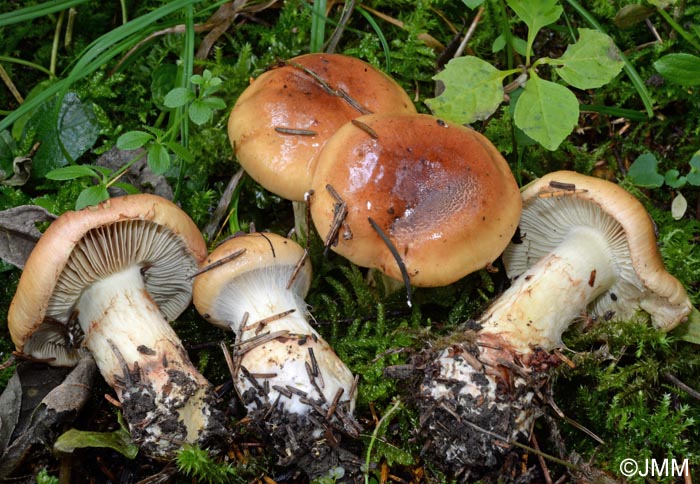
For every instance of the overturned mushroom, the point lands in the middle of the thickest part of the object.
(585, 245)
(412, 189)
(296, 389)
(109, 278)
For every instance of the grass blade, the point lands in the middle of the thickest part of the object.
(382, 39)
(318, 26)
(35, 11)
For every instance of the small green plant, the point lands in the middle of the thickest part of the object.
(160, 145)
(43, 477)
(199, 465)
(644, 172)
(546, 111)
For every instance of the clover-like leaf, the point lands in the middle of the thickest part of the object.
(158, 158)
(673, 179)
(473, 90)
(644, 172)
(547, 112)
(177, 97)
(591, 62)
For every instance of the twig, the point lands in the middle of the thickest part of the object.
(297, 268)
(397, 257)
(223, 204)
(220, 262)
(470, 32)
(340, 211)
(690, 391)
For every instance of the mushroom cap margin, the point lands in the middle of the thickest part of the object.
(50, 255)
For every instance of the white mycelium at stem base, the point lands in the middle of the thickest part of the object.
(122, 325)
(586, 245)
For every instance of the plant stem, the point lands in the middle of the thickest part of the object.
(681, 31)
(54, 46)
(375, 435)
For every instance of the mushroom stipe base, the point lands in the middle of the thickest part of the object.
(154, 420)
(475, 399)
(311, 442)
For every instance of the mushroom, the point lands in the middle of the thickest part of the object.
(108, 278)
(289, 378)
(585, 245)
(440, 194)
(284, 117)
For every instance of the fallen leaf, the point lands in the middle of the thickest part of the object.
(18, 232)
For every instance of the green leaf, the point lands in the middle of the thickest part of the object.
(199, 112)
(644, 172)
(690, 330)
(536, 14)
(693, 176)
(547, 112)
(180, 151)
(472, 4)
(673, 179)
(591, 62)
(158, 158)
(683, 69)
(63, 138)
(214, 102)
(127, 187)
(118, 440)
(473, 90)
(132, 140)
(177, 97)
(630, 15)
(162, 82)
(71, 172)
(91, 196)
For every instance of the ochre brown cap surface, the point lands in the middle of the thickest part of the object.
(289, 98)
(442, 193)
(56, 247)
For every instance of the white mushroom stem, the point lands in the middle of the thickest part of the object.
(122, 324)
(285, 358)
(542, 302)
(533, 313)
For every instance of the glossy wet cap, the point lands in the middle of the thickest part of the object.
(441, 193)
(286, 115)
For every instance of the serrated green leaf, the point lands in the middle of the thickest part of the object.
(199, 112)
(158, 158)
(644, 172)
(473, 90)
(132, 140)
(591, 62)
(91, 196)
(547, 112)
(177, 97)
(70, 172)
(682, 68)
(119, 440)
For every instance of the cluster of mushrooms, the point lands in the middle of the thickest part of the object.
(387, 188)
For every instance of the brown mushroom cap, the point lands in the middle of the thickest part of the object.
(287, 97)
(442, 193)
(56, 272)
(559, 201)
(261, 252)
